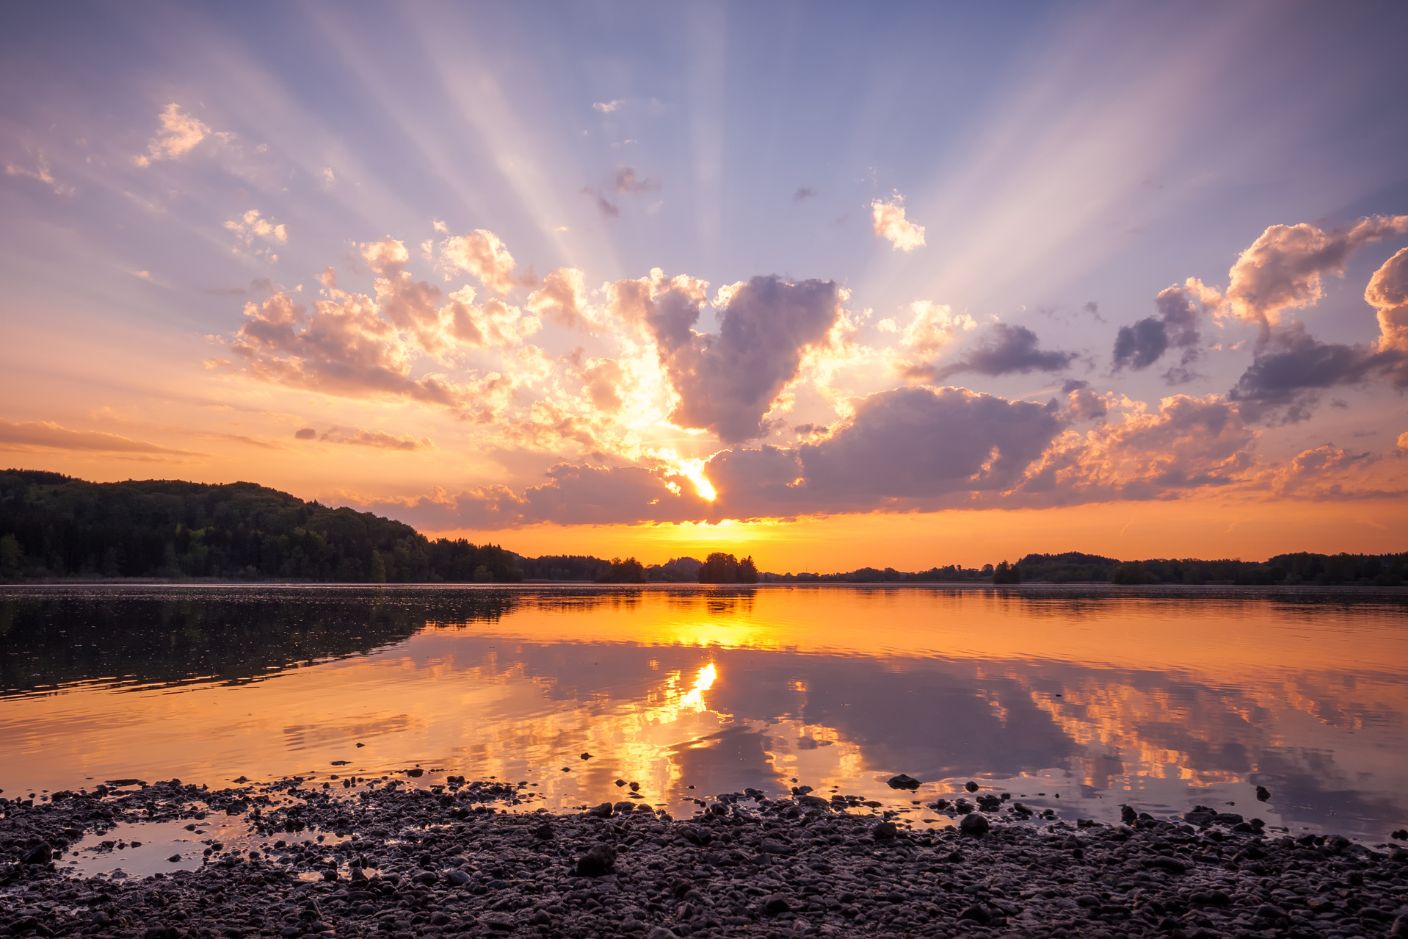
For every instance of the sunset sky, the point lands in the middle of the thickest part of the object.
(827, 284)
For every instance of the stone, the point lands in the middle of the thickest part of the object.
(39, 854)
(597, 862)
(776, 905)
(974, 825)
(903, 781)
(1262, 793)
(971, 786)
(885, 831)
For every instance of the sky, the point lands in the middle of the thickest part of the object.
(825, 284)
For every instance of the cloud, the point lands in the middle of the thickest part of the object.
(40, 173)
(1319, 471)
(493, 323)
(1005, 350)
(1387, 293)
(1284, 268)
(1083, 403)
(251, 228)
(919, 446)
(889, 222)
(327, 178)
(1188, 443)
(47, 435)
(1403, 442)
(363, 438)
(180, 133)
(561, 297)
(573, 495)
(1290, 367)
(608, 107)
(804, 193)
(727, 382)
(482, 254)
(342, 346)
(1180, 309)
(933, 327)
(607, 208)
(627, 180)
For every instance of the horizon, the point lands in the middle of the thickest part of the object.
(764, 569)
(787, 282)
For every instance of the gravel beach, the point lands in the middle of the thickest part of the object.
(391, 856)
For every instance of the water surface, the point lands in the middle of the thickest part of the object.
(1078, 699)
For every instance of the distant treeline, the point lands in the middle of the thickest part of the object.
(54, 526)
(1074, 567)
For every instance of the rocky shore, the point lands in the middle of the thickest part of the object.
(385, 858)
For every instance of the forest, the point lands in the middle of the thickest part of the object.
(54, 527)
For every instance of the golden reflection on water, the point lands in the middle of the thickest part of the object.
(1162, 701)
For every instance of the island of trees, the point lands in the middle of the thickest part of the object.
(54, 526)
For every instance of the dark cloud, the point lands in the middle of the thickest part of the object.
(1140, 345)
(1291, 368)
(804, 193)
(1174, 326)
(728, 381)
(306, 433)
(1005, 350)
(910, 448)
(920, 445)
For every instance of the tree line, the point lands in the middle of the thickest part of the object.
(54, 526)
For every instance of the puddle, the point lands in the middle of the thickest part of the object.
(142, 849)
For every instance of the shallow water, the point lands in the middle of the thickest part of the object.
(1078, 699)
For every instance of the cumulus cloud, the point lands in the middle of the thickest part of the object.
(47, 435)
(1180, 308)
(888, 220)
(1188, 443)
(1005, 350)
(932, 327)
(1290, 368)
(180, 133)
(1084, 403)
(918, 446)
(363, 438)
(561, 297)
(608, 107)
(258, 235)
(727, 382)
(40, 173)
(341, 346)
(482, 254)
(1387, 293)
(1285, 267)
(492, 323)
(1319, 471)
(1403, 442)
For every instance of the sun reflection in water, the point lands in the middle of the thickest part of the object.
(703, 681)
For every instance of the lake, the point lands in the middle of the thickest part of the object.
(1078, 699)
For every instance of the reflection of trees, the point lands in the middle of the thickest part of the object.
(172, 637)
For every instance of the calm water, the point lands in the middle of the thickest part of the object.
(1162, 699)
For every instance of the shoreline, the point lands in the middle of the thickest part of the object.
(376, 857)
